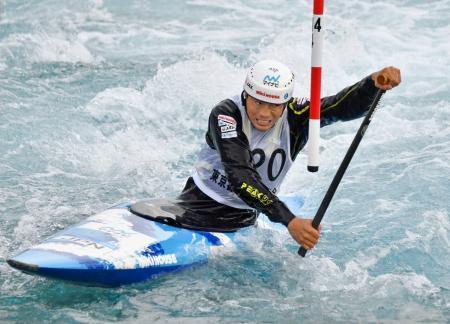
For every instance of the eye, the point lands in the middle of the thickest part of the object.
(276, 108)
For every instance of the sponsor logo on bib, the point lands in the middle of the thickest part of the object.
(227, 126)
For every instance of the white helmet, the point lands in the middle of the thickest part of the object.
(270, 81)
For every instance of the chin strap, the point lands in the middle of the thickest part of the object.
(243, 97)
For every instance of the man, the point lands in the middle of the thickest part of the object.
(252, 141)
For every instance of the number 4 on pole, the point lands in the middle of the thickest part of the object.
(317, 25)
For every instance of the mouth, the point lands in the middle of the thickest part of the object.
(264, 122)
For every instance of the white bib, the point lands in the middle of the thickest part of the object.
(271, 156)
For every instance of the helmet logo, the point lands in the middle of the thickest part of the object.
(272, 81)
(286, 95)
(249, 85)
(268, 95)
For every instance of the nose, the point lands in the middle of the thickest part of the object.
(264, 110)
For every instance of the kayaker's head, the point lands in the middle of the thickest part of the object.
(268, 87)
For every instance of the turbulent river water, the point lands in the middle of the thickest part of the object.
(107, 101)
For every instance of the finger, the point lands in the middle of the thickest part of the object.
(398, 77)
(305, 242)
(313, 232)
(385, 87)
(311, 244)
(307, 245)
(381, 79)
(310, 239)
(395, 76)
(394, 81)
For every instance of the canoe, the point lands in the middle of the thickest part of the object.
(117, 247)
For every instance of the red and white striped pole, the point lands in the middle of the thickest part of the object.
(316, 77)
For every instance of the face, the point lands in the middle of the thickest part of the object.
(263, 115)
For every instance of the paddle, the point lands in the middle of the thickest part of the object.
(346, 161)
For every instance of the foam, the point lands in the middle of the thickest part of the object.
(114, 133)
(52, 49)
(139, 127)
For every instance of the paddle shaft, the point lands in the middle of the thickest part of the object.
(343, 167)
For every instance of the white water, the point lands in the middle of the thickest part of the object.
(102, 102)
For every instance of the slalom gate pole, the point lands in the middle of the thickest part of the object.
(316, 80)
(345, 162)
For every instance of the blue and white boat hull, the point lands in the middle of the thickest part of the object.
(116, 247)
